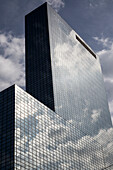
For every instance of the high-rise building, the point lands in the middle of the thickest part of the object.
(35, 137)
(64, 122)
(63, 72)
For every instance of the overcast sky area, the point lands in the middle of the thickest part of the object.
(91, 19)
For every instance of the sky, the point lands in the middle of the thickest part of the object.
(91, 19)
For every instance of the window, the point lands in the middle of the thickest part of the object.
(86, 46)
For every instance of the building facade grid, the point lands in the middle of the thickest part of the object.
(64, 122)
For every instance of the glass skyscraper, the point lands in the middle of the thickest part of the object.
(62, 122)
(35, 137)
(63, 72)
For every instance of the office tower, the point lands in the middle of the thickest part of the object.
(38, 61)
(35, 137)
(65, 124)
(63, 72)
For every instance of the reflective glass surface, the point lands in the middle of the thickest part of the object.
(44, 140)
(38, 138)
(79, 92)
(38, 61)
(109, 168)
(77, 79)
(63, 73)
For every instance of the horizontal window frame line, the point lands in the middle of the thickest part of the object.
(86, 46)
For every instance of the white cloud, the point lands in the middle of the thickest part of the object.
(95, 115)
(56, 4)
(11, 60)
(106, 57)
(111, 109)
(105, 138)
(95, 3)
(106, 60)
(104, 41)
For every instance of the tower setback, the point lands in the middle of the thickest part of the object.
(63, 72)
(62, 122)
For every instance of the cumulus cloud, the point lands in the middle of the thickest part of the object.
(95, 3)
(104, 41)
(111, 109)
(56, 4)
(106, 59)
(96, 114)
(11, 60)
(105, 137)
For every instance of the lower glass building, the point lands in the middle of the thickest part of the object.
(35, 137)
(7, 120)
(64, 122)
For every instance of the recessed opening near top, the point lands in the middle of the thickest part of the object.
(86, 46)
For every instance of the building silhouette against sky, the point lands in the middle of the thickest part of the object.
(62, 121)
(63, 72)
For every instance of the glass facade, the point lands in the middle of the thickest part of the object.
(109, 168)
(7, 117)
(77, 87)
(65, 124)
(44, 140)
(79, 93)
(38, 62)
(77, 79)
